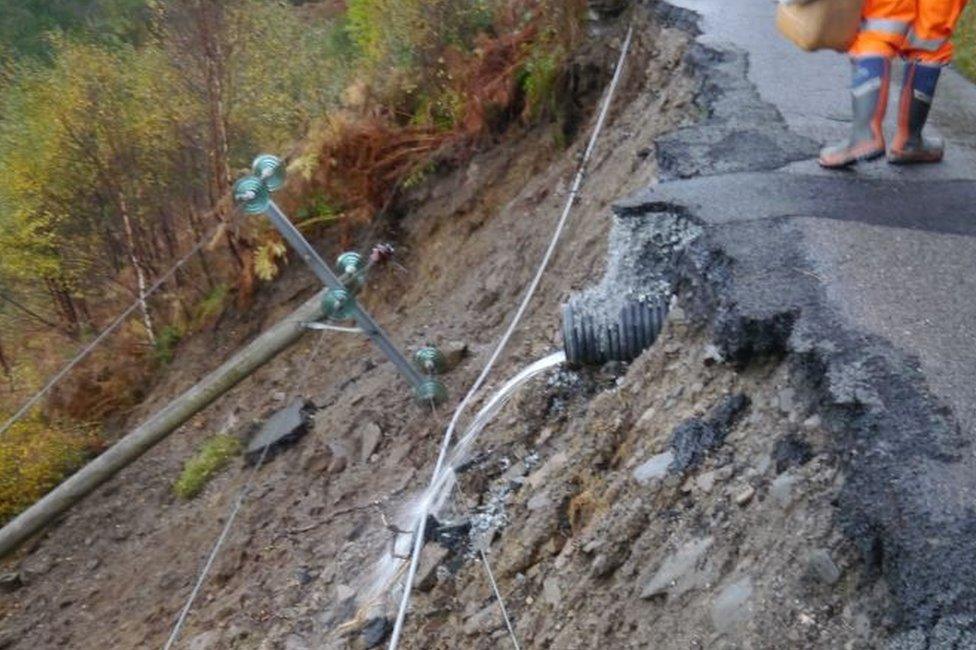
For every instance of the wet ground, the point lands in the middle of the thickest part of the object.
(791, 466)
(866, 275)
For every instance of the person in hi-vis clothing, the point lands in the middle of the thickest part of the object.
(920, 31)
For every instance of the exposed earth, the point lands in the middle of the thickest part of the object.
(781, 469)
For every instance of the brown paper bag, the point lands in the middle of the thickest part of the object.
(821, 24)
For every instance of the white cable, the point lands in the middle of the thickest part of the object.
(101, 337)
(503, 342)
(501, 601)
(175, 634)
(232, 515)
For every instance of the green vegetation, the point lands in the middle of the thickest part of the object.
(124, 122)
(214, 455)
(34, 457)
(26, 25)
(966, 43)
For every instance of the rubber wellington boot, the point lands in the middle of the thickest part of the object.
(909, 145)
(869, 92)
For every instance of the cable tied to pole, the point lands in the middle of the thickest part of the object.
(420, 526)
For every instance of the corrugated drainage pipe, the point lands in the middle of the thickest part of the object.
(594, 339)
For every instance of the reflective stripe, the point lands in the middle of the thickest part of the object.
(927, 44)
(867, 87)
(922, 97)
(886, 25)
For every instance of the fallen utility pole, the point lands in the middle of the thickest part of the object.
(160, 425)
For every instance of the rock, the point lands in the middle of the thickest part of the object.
(204, 641)
(369, 439)
(36, 565)
(303, 576)
(601, 567)
(821, 567)
(340, 458)
(484, 622)
(431, 558)
(551, 592)
(745, 496)
(10, 582)
(732, 606)
(93, 564)
(344, 592)
(679, 572)
(712, 355)
(295, 642)
(646, 420)
(454, 353)
(375, 631)
(781, 490)
(655, 467)
(786, 400)
(282, 429)
(118, 533)
(791, 451)
(338, 465)
(539, 477)
(316, 460)
(694, 438)
(539, 501)
(705, 482)
(812, 422)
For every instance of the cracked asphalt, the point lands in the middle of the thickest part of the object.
(864, 278)
(893, 247)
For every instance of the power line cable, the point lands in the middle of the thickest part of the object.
(235, 509)
(503, 342)
(501, 601)
(78, 358)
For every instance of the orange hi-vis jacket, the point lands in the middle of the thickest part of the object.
(919, 30)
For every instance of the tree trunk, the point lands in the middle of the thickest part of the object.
(6, 366)
(137, 265)
(210, 26)
(58, 288)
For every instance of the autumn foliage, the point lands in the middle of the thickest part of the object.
(120, 139)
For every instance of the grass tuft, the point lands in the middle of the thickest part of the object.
(966, 43)
(214, 455)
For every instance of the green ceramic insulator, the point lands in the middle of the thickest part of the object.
(338, 304)
(270, 169)
(350, 263)
(251, 195)
(430, 360)
(431, 391)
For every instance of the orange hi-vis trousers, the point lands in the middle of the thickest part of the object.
(918, 30)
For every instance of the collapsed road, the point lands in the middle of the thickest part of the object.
(865, 278)
(789, 466)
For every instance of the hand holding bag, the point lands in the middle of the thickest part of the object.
(820, 24)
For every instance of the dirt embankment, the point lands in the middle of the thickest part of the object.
(115, 572)
(688, 500)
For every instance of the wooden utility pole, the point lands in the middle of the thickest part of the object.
(157, 427)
